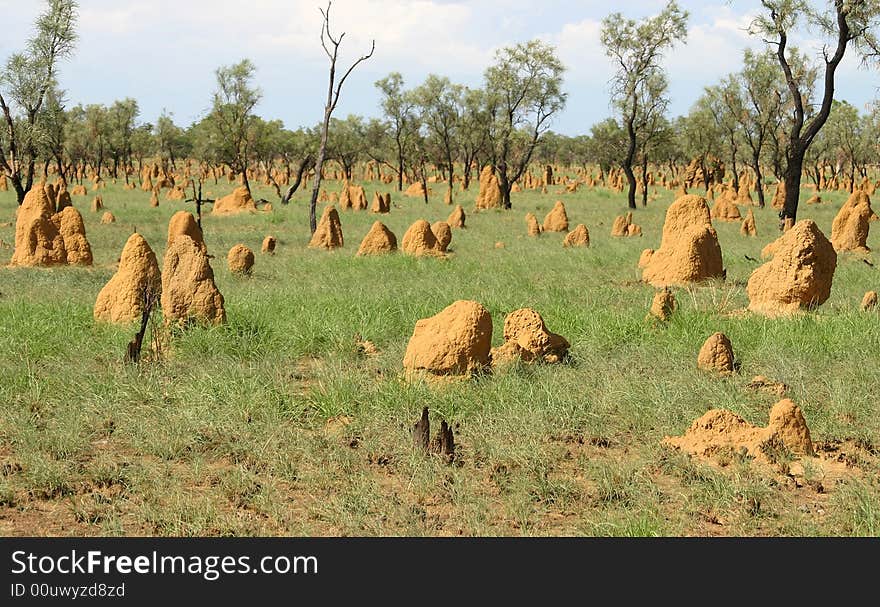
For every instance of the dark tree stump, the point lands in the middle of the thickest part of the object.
(421, 432)
(444, 443)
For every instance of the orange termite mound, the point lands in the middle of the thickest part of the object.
(137, 281)
(849, 231)
(489, 196)
(800, 274)
(380, 204)
(526, 337)
(748, 227)
(557, 219)
(455, 342)
(420, 241)
(725, 208)
(240, 259)
(443, 234)
(328, 234)
(721, 431)
(269, 243)
(188, 289)
(378, 241)
(183, 223)
(534, 228)
(239, 201)
(73, 231)
(37, 239)
(579, 237)
(457, 218)
(716, 355)
(689, 250)
(663, 305)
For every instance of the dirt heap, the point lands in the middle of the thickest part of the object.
(455, 342)
(4, 186)
(716, 355)
(97, 204)
(623, 226)
(869, 301)
(748, 227)
(188, 289)
(799, 275)
(123, 297)
(240, 259)
(176, 193)
(443, 234)
(779, 196)
(534, 228)
(457, 218)
(183, 222)
(37, 239)
(358, 197)
(328, 235)
(345, 197)
(689, 250)
(416, 190)
(108, 218)
(526, 337)
(420, 240)
(663, 304)
(849, 231)
(379, 204)
(378, 241)
(269, 243)
(489, 196)
(239, 201)
(725, 208)
(73, 231)
(79, 190)
(579, 237)
(721, 431)
(557, 219)
(814, 199)
(154, 198)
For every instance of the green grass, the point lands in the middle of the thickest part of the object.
(226, 436)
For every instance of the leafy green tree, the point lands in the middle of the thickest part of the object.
(848, 23)
(398, 107)
(25, 81)
(637, 48)
(440, 104)
(523, 93)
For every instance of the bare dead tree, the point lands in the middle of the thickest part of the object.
(199, 201)
(331, 48)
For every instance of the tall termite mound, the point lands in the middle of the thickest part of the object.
(378, 241)
(725, 208)
(328, 234)
(137, 281)
(748, 227)
(716, 355)
(183, 223)
(455, 342)
(457, 218)
(798, 276)
(240, 260)
(380, 204)
(443, 234)
(73, 231)
(188, 289)
(663, 305)
(489, 196)
(849, 231)
(557, 219)
(526, 337)
(420, 241)
(623, 226)
(579, 237)
(239, 201)
(689, 250)
(719, 431)
(532, 226)
(37, 239)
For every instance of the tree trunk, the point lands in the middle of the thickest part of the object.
(644, 179)
(792, 184)
(759, 179)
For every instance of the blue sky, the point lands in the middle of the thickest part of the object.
(163, 52)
